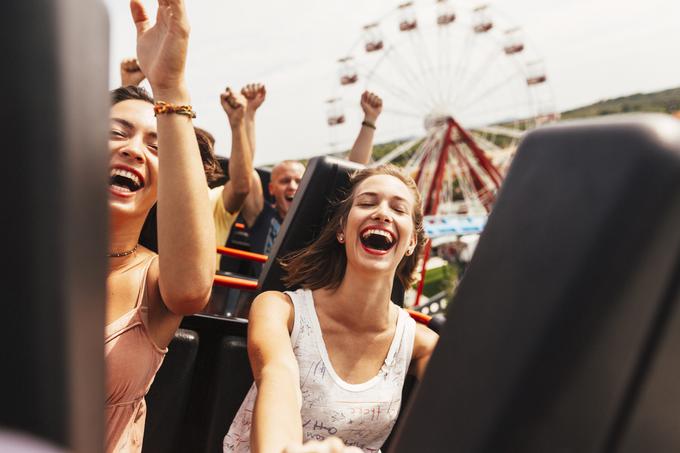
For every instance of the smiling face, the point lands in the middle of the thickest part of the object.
(284, 183)
(133, 166)
(379, 228)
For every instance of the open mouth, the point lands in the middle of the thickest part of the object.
(377, 239)
(289, 198)
(124, 180)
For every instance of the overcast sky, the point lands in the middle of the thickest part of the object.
(592, 50)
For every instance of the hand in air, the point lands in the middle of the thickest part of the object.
(255, 94)
(371, 104)
(234, 104)
(162, 47)
(330, 445)
(130, 72)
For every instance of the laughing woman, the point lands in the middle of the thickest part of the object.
(329, 360)
(152, 158)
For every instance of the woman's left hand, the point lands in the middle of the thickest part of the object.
(162, 47)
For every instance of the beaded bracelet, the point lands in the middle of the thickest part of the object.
(164, 107)
(368, 124)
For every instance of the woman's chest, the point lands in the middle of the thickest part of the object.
(355, 358)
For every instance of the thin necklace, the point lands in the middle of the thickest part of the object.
(125, 253)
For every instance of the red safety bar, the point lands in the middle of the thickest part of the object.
(422, 318)
(235, 282)
(242, 254)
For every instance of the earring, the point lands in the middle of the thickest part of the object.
(341, 238)
(409, 252)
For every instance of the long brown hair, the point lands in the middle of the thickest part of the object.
(323, 263)
(206, 145)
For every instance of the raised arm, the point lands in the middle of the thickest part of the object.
(361, 152)
(130, 72)
(255, 94)
(184, 270)
(276, 415)
(241, 159)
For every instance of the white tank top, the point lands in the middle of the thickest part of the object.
(361, 415)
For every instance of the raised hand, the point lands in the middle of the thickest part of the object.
(255, 94)
(162, 47)
(371, 104)
(130, 72)
(234, 104)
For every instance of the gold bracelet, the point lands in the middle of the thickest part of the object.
(163, 107)
(368, 124)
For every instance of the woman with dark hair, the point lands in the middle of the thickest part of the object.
(329, 360)
(154, 157)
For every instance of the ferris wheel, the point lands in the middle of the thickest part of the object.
(432, 61)
(460, 85)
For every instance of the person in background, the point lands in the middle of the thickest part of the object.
(226, 200)
(130, 72)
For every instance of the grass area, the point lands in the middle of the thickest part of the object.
(666, 101)
(439, 279)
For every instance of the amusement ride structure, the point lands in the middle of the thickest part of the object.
(460, 85)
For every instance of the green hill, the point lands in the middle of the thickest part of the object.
(666, 101)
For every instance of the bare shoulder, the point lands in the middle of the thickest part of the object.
(272, 306)
(424, 342)
(272, 300)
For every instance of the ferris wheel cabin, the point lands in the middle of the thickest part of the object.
(372, 38)
(445, 13)
(536, 73)
(514, 43)
(348, 72)
(408, 20)
(334, 113)
(482, 21)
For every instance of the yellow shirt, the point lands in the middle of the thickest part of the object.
(223, 219)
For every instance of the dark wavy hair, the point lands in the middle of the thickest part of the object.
(323, 263)
(206, 141)
(206, 145)
(130, 93)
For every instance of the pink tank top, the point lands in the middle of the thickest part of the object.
(132, 360)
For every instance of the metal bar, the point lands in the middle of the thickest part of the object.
(235, 282)
(242, 254)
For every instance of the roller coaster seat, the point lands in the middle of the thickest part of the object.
(564, 334)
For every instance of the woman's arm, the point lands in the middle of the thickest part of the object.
(276, 416)
(362, 149)
(185, 267)
(423, 346)
(255, 94)
(240, 160)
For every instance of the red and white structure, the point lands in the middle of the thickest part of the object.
(460, 85)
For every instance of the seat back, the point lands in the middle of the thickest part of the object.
(168, 396)
(563, 335)
(325, 180)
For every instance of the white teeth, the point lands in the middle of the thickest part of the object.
(379, 232)
(125, 174)
(121, 188)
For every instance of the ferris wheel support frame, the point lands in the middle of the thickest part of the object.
(431, 203)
